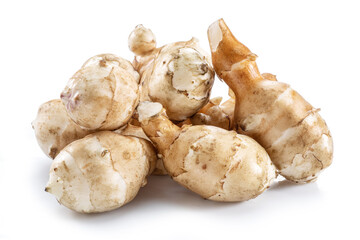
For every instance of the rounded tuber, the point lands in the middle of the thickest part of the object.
(101, 95)
(100, 172)
(178, 75)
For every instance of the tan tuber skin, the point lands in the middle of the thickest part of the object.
(219, 115)
(178, 75)
(289, 128)
(100, 172)
(113, 60)
(137, 131)
(215, 114)
(218, 165)
(54, 129)
(103, 94)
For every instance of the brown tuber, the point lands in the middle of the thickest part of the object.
(288, 127)
(217, 164)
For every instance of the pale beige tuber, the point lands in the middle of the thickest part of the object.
(178, 75)
(100, 172)
(103, 94)
(110, 59)
(137, 131)
(289, 128)
(54, 129)
(217, 164)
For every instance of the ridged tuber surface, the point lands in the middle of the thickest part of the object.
(218, 165)
(54, 129)
(100, 172)
(103, 94)
(113, 60)
(215, 114)
(288, 127)
(136, 131)
(178, 75)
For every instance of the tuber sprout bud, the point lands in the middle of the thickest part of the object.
(142, 41)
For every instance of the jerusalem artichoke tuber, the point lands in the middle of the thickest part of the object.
(102, 95)
(178, 75)
(217, 164)
(100, 172)
(289, 128)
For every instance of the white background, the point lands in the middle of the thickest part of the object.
(312, 45)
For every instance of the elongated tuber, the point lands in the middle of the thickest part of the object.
(289, 128)
(54, 129)
(217, 164)
(178, 75)
(101, 95)
(100, 172)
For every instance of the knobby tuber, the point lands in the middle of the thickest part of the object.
(100, 172)
(178, 75)
(217, 164)
(289, 128)
(103, 94)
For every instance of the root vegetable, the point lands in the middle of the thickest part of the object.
(100, 172)
(178, 75)
(217, 164)
(101, 95)
(54, 129)
(289, 128)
